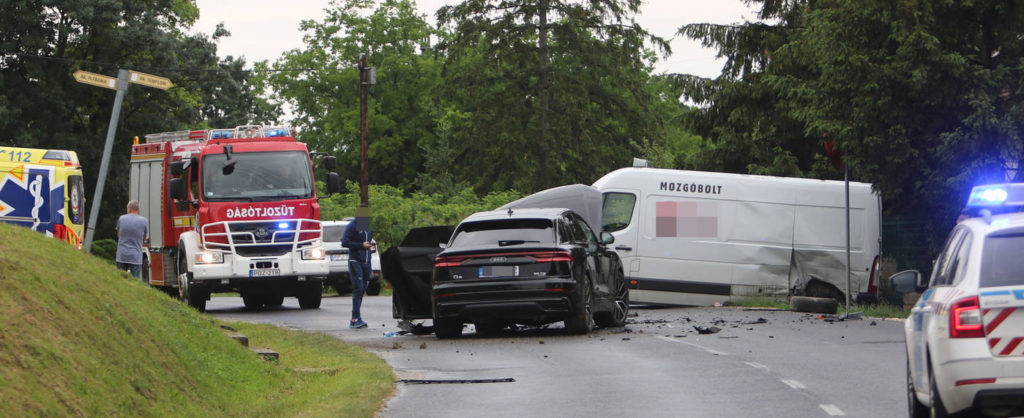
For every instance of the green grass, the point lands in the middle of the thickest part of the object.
(78, 337)
(881, 310)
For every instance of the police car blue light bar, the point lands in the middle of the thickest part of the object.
(996, 195)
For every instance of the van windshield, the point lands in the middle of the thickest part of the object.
(618, 211)
(1003, 262)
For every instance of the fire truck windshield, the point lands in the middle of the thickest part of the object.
(257, 176)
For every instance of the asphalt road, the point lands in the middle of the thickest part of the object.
(760, 364)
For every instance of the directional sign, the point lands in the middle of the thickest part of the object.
(96, 79)
(149, 80)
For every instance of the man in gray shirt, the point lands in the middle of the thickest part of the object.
(132, 230)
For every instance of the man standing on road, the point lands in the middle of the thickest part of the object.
(359, 241)
(132, 230)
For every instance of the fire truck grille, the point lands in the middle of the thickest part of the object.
(261, 238)
(261, 233)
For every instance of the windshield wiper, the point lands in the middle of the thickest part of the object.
(507, 242)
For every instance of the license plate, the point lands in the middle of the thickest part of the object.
(264, 272)
(339, 257)
(498, 271)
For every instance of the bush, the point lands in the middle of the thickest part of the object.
(393, 213)
(105, 249)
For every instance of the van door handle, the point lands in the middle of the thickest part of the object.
(623, 248)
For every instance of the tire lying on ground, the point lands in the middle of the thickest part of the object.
(813, 305)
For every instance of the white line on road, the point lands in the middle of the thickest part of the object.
(708, 350)
(793, 384)
(832, 410)
(758, 366)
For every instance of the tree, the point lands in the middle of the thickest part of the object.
(321, 83)
(924, 98)
(41, 105)
(556, 89)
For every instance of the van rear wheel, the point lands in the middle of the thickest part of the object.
(813, 305)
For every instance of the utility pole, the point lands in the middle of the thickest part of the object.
(367, 76)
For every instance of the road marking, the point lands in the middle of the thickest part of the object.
(793, 384)
(758, 366)
(832, 410)
(707, 350)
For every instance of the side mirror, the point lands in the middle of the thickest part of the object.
(442, 244)
(176, 188)
(607, 238)
(907, 281)
(177, 168)
(330, 163)
(333, 185)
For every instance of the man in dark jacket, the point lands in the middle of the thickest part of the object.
(359, 241)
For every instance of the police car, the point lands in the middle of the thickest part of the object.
(965, 336)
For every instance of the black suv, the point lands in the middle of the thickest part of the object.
(527, 266)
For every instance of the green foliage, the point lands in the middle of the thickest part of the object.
(923, 98)
(393, 213)
(321, 82)
(41, 105)
(556, 90)
(105, 249)
(80, 338)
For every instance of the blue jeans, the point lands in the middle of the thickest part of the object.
(135, 269)
(359, 273)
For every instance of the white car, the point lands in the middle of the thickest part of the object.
(338, 257)
(965, 336)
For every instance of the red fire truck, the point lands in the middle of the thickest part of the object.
(231, 210)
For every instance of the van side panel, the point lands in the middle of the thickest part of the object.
(711, 237)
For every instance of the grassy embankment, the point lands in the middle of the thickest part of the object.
(78, 337)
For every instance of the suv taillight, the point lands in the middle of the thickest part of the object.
(965, 319)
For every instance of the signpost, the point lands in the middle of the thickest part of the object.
(97, 80)
(121, 85)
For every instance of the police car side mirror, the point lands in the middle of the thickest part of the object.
(907, 281)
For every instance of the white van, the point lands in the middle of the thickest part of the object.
(697, 238)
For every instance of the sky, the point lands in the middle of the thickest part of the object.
(264, 29)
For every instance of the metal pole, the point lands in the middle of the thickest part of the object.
(115, 115)
(846, 179)
(363, 212)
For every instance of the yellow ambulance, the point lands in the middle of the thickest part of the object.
(43, 189)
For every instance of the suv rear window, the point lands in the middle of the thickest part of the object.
(1003, 261)
(504, 232)
(333, 233)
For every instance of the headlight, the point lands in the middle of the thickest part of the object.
(313, 253)
(209, 257)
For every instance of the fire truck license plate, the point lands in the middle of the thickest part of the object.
(264, 272)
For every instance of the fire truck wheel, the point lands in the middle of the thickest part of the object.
(252, 301)
(273, 300)
(193, 294)
(309, 297)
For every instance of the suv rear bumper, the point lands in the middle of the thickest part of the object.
(533, 302)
